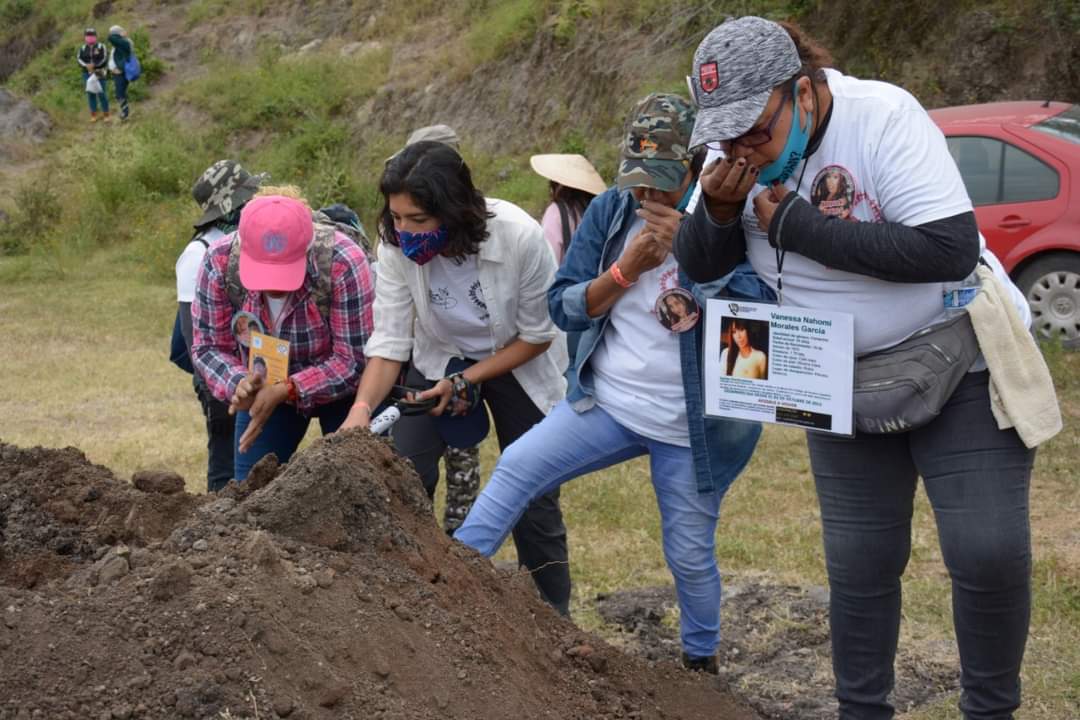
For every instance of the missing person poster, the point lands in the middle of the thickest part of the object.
(783, 365)
(269, 357)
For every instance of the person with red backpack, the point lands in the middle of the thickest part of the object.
(221, 192)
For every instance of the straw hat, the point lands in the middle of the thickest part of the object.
(570, 170)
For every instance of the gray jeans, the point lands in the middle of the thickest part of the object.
(977, 479)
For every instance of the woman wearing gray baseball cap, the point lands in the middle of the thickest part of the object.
(842, 194)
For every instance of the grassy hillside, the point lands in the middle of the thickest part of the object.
(319, 93)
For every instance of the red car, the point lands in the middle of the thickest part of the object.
(1019, 161)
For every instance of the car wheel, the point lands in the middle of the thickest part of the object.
(1051, 285)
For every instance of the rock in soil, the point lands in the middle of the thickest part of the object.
(328, 591)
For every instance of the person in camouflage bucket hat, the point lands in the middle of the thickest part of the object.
(223, 189)
(655, 149)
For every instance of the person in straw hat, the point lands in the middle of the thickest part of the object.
(574, 182)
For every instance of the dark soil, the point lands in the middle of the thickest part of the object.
(774, 650)
(330, 592)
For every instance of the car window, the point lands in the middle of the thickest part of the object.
(1065, 126)
(997, 172)
(979, 162)
(1027, 178)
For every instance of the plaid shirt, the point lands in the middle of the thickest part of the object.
(326, 357)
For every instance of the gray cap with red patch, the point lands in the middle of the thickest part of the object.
(736, 67)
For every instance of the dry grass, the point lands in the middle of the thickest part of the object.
(85, 364)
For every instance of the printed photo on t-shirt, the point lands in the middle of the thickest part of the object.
(833, 192)
(744, 348)
(677, 310)
(243, 323)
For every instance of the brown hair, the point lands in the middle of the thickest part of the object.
(814, 57)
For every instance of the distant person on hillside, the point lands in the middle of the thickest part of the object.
(93, 57)
(461, 295)
(307, 284)
(636, 389)
(221, 192)
(572, 183)
(122, 49)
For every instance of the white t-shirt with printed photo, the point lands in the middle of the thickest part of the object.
(636, 367)
(882, 159)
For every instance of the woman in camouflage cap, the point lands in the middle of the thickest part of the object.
(636, 388)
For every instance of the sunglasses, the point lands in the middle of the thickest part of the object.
(755, 137)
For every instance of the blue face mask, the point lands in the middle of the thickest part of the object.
(797, 140)
(422, 246)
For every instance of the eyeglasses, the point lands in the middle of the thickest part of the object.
(757, 137)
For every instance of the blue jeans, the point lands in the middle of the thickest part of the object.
(977, 479)
(567, 444)
(283, 432)
(102, 97)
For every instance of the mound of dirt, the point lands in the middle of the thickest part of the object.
(328, 592)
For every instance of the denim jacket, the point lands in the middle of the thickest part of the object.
(720, 448)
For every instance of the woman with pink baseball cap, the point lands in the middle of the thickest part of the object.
(305, 284)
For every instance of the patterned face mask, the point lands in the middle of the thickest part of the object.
(420, 247)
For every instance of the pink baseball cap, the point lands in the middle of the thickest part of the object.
(275, 233)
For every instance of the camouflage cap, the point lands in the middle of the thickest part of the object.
(656, 149)
(224, 187)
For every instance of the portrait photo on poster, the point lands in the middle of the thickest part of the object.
(243, 323)
(258, 367)
(744, 348)
(677, 310)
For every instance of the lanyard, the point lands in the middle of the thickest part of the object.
(780, 253)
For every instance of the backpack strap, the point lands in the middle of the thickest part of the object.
(233, 287)
(322, 246)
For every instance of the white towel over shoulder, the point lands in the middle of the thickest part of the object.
(1021, 389)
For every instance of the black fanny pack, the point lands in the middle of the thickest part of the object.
(905, 386)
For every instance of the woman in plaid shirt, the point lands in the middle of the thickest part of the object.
(281, 287)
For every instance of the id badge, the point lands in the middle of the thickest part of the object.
(780, 364)
(269, 358)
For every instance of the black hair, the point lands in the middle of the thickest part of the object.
(439, 181)
(732, 348)
(814, 57)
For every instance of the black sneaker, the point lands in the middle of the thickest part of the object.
(705, 664)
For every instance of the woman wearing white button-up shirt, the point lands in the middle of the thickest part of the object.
(462, 292)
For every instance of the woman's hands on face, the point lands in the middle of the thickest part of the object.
(725, 184)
